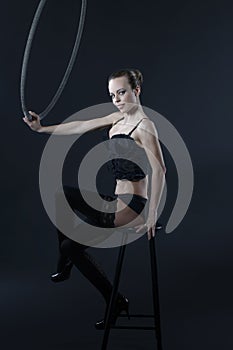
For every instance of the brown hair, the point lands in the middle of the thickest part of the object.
(134, 76)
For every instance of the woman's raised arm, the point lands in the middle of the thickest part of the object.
(71, 128)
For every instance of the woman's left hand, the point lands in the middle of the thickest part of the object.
(149, 227)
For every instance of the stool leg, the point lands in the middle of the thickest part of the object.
(113, 297)
(155, 292)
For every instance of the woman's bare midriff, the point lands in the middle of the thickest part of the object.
(134, 187)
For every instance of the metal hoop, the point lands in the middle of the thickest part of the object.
(69, 66)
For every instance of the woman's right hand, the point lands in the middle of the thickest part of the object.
(34, 124)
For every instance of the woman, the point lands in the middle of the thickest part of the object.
(127, 125)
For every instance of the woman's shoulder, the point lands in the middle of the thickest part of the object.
(111, 119)
(147, 125)
(117, 116)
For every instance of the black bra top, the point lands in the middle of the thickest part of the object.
(129, 161)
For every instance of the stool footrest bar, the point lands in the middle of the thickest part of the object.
(137, 315)
(134, 327)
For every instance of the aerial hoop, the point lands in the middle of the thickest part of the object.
(69, 66)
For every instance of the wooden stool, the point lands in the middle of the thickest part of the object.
(155, 293)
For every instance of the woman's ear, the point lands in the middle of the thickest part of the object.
(137, 91)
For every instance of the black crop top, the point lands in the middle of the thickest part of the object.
(129, 161)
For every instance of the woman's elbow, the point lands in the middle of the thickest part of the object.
(161, 170)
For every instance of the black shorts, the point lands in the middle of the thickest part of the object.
(137, 204)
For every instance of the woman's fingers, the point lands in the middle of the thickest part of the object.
(25, 119)
(34, 124)
(150, 230)
(34, 114)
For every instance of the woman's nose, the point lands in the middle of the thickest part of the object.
(117, 98)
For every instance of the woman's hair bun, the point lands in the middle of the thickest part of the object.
(138, 76)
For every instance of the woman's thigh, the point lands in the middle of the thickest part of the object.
(127, 216)
(77, 201)
(124, 215)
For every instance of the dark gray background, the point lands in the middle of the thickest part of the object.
(184, 49)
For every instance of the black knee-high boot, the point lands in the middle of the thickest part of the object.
(87, 266)
(76, 201)
(64, 264)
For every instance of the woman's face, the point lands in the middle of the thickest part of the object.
(123, 97)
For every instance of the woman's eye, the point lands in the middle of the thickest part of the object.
(119, 93)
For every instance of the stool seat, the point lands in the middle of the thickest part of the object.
(155, 294)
